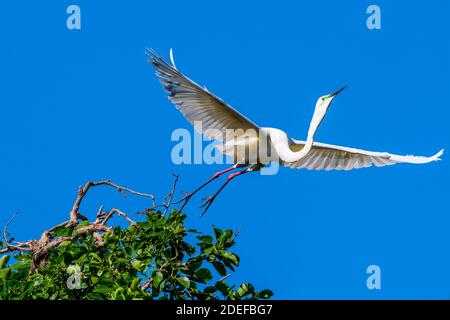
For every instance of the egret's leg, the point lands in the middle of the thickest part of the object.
(214, 177)
(210, 200)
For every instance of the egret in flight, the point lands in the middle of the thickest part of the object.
(197, 104)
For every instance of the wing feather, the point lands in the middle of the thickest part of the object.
(197, 103)
(331, 157)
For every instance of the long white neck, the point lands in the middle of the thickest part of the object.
(283, 149)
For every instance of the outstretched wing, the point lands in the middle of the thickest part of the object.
(197, 103)
(330, 157)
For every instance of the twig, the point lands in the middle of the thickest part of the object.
(225, 277)
(237, 232)
(99, 214)
(170, 195)
(62, 224)
(122, 189)
(119, 213)
(74, 215)
(10, 247)
(147, 284)
(167, 200)
(81, 193)
(82, 217)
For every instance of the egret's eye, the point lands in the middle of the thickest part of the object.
(323, 98)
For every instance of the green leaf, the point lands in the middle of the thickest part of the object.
(54, 296)
(4, 274)
(223, 288)
(225, 236)
(245, 289)
(194, 265)
(184, 281)
(209, 250)
(94, 280)
(210, 289)
(157, 279)
(232, 257)
(118, 294)
(265, 294)
(65, 243)
(207, 239)
(38, 281)
(135, 283)
(103, 289)
(217, 232)
(229, 265)
(95, 256)
(138, 265)
(83, 224)
(203, 275)
(220, 268)
(4, 260)
(62, 232)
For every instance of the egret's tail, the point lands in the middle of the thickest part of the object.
(437, 155)
(418, 160)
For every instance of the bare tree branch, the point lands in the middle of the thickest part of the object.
(167, 200)
(10, 247)
(74, 214)
(224, 277)
(147, 284)
(99, 214)
(170, 195)
(40, 248)
(98, 239)
(122, 189)
(119, 213)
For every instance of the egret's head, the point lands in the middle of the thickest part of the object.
(325, 101)
(321, 110)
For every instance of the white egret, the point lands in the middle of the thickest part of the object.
(198, 104)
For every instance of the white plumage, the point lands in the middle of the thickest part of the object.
(328, 157)
(198, 104)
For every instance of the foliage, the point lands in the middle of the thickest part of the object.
(150, 259)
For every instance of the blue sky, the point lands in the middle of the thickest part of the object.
(85, 105)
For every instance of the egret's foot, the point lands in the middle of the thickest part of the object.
(207, 201)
